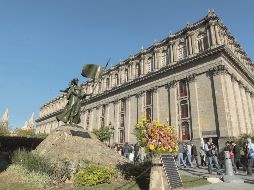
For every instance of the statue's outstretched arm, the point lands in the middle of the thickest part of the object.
(66, 90)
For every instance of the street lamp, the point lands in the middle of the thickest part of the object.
(112, 129)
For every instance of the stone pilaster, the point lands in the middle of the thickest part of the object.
(212, 32)
(239, 107)
(132, 116)
(194, 106)
(155, 103)
(251, 111)
(172, 87)
(220, 100)
(233, 118)
(244, 106)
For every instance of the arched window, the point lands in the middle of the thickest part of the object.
(182, 51)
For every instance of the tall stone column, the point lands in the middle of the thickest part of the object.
(246, 109)
(212, 32)
(163, 104)
(171, 53)
(244, 106)
(217, 34)
(234, 122)
(155, 108)
(131, 116)
(220, 98)
(239, 106)
(189, 43)
(172, 86)
(116, 120)
(251, 111)
(175, 46)
(194, 106)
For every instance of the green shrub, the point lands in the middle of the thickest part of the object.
(242, 139)
(42, 180)
(93, 174)
(103, 134)
(40, 165)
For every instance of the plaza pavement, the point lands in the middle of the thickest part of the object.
(203, 173)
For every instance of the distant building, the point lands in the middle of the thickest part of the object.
(199, 79)
(29, 125)
(5, 121)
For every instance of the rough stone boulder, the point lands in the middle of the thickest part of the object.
(77, 146)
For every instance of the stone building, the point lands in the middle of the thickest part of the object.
(198, 79)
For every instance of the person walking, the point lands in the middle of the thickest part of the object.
(180, 155)
(237, 156)
(250, 155)
(126, 150)
(211, 152)
(194, 154)
(229, 148)
(202, 156)
(188, 155)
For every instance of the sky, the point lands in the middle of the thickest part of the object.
(44, 43)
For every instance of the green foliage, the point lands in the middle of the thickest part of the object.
(133, 170)
(242, 139)
(40, 165)
(3, 131)
(103, 134)
(24, 133)
(93, 174)
(41, 179)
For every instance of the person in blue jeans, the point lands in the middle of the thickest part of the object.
(211, 152)
(188, 155)
(180, 155)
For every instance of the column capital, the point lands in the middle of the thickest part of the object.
(218, 70)
(154, 89)
(191, 78)
(171, 84)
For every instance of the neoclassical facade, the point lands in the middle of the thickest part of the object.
(199, 80)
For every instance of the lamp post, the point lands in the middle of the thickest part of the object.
(112, 129)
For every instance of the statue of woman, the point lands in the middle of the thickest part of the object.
(72, 110)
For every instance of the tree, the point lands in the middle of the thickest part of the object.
(103, 134)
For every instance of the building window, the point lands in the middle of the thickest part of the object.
(103, 115)
(202, 42)
(107, 83)
(148, 106)
(87, 119)
(149, 65)
(126, 75)
(116, 79)
(122, 113)
(138, 70)
(121, 136)
(184, 109)
(99, 87)
(185, 131)
(183, 88)
(182, 51)
(164, 59)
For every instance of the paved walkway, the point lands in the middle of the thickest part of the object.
(203, 173)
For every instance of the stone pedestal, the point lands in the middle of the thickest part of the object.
(158, 178)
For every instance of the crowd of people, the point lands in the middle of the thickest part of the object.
(134, 153)
(210, 156)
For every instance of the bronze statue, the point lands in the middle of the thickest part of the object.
(72, 110)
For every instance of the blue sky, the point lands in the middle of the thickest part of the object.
(44, 43)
